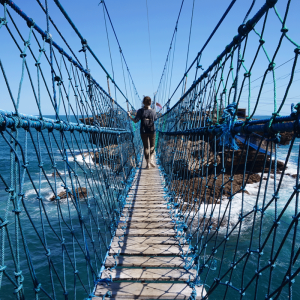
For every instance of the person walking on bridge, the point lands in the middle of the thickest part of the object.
(147, 129)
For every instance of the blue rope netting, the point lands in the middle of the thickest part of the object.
(233, 179)
(63, 179)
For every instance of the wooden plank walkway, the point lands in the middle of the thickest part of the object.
(147, 253)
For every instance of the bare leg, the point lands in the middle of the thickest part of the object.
(152, 146)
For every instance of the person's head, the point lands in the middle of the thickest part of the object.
(147, 101)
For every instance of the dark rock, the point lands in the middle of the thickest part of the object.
(292, 175)
(115, 157)
(286, 137)
(57, 174)
(210, 192)
(81, 192)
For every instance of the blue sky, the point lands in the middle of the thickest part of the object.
(130, 21)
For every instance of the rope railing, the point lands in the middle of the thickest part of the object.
(232, 175)
(64, 173)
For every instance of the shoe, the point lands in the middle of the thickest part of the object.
(147, 161)
(152, 164)
(152, 161)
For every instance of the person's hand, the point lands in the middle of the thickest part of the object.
(129, 113)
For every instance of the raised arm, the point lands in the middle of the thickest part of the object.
(135, 120)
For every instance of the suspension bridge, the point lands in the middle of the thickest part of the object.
(81, 217)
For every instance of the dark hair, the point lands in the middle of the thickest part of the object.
(147, 101)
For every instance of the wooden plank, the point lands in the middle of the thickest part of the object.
(146, 261)
(157, 193)
(146, 194)
(150, 200)
(147, 225)
(146, 249)
(146, 198)
(149, 174)
(145, 205)
(148, 274)
(146, 188)
(129, 240)
(146, 232)
(150, 182)
(146, 214)
(143, 178)
(148, 204)
(137, 290)
(149, 211)
(145, 219)
(154, 201)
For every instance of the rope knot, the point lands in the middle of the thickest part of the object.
(30, 23)
(38, 288)
(2, 225)
(3, 21)
(57, 78)
(271, 3)
(84, 45)
(48, 38)
(17, 122)
(18, 289)
(262, 41)
(43, 126)
(242, 30)
(3, 267)
(271, 66)
(18, 274)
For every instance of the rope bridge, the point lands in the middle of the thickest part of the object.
(231, 180)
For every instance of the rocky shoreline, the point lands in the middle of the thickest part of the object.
(188, 185)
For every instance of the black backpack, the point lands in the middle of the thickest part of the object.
(147, 124)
